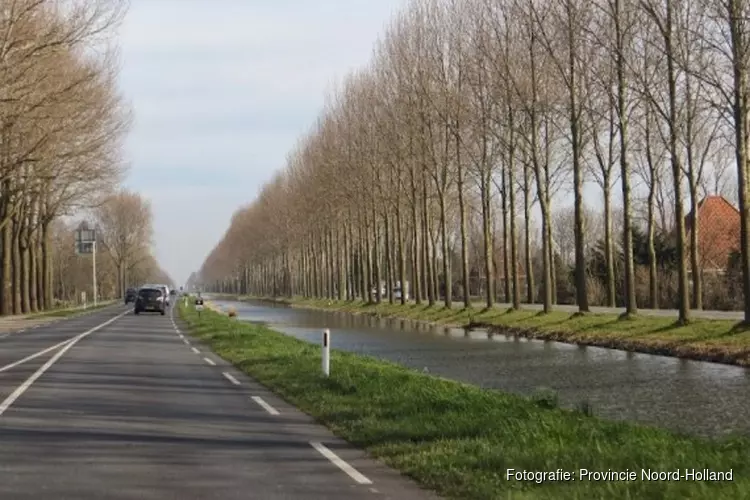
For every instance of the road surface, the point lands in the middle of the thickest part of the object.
(132, 408)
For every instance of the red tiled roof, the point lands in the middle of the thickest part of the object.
(718, 231)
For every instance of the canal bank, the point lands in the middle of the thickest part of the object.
(461, 440)
(713, 340)
(694, 397)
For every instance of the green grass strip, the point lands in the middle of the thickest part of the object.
(71, 311)
(458, 439)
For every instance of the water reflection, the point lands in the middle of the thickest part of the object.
(702, 398)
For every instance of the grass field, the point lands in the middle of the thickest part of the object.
(702, 339)
(459, 439)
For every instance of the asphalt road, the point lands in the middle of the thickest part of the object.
(131, 408)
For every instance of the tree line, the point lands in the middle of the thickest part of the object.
(62, 125)
(463, 158)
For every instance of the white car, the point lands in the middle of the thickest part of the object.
(166, 293)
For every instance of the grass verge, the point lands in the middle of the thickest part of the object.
(720, 341)
(71, 311)
(459, 440)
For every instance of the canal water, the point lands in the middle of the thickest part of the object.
(690, 396)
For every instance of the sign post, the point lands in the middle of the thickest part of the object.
(86, 244)
(199, 305)
(83, 299)
(326, 356)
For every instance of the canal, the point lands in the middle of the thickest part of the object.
(690, 396)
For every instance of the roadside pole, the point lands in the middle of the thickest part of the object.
(326, 355)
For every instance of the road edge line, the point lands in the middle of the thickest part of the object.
(7, 402)
(35, 355)
(340, 463)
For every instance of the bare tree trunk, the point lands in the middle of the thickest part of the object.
(631, 307)
(428, 255)
(489, 270)
(16, 264)
(368, 265)
(512, 202)
(530, 286)
(341, 262)
(332, 268)
(462, 219)
(683, 293)
(33, 284)
(25, 272)
(5, 288)
(40, 294)
(695, 267)
(741, 113)
(388, 261)
(401, 254)
(416, 254)
(608, 246)
(315, 270)
(447, 278)
(377, 270)
(506, 260)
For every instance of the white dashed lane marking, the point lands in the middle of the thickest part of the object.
(231, 378)
(270, 409)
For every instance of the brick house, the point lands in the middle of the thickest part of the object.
(718, 233)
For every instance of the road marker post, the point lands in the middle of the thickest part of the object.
(199, 305)
(326, 356)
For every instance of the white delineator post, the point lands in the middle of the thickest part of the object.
(326, 357)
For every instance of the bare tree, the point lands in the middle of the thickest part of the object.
(124, 225)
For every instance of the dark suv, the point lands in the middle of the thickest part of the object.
(150, 299)
(130, 295)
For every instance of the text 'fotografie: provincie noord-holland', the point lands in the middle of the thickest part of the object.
(623, 475)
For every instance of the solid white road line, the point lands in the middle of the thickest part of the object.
(29, 381)
(209, 361)
(36, 355)
(270, 409)
(231, 378)
(196, 351)
(341, 464)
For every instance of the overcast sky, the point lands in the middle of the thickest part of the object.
(221, 90)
